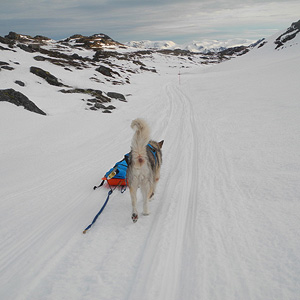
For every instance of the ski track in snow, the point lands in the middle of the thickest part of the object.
(207, 237)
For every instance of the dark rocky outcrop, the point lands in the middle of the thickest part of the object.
(95, 103)
(51, 79)
(239, 50)
(290, 34)
(117, 96)
(26, 48)
(17, 98)
(96, 41)
(60, 59)
(40, 58)
(20, 83)
(99, 97)
(148, 69)
(106, 71)
(4, 48)
(13, 36)
(7, 68)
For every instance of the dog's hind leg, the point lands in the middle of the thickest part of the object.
(145, 189)
(134, 215)
(155, 181)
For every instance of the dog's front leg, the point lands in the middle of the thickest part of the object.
(134, 215)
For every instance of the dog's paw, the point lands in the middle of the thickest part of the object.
(134, 217)
(146, 213)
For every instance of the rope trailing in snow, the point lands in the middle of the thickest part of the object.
(100, 211)
(108, 176)
(102, 208)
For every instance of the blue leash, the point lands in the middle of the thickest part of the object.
(100, 211)
(102, 208)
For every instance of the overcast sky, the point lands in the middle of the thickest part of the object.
(126, 20)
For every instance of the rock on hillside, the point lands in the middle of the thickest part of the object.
(96, 41)
(288, 35)
(17, 98)
(51, 79)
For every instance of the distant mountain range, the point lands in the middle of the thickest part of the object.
(204, 46)
(29, 64)
(103, 41)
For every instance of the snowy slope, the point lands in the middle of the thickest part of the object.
(224, 223)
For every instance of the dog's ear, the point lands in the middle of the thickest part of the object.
(160, 144)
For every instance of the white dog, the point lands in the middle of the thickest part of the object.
(144, 164)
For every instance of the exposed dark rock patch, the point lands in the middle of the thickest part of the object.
(107, 71)
(3, 48)
(17, 98)
(60, 59)
(262, 43)
(20, 83)
(13, 36)
(96, 41)
(26, 48)
(99, 105)
(110, 107)
(95, 103)
(99, 97)
(117, 96)
(290, 34)
(9, 68)
(40, 58)
(4, 65)
(229, 52)
(51, 79)
(176, 52)
(148, 69)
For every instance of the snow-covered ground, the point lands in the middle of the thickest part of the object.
(225, 221)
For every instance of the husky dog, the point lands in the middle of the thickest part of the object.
(144, 164)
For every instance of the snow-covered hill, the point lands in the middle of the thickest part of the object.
(86, 71)
(224, 222)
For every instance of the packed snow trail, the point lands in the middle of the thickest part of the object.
(224, 222)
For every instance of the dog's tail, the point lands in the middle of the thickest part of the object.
(140, 140)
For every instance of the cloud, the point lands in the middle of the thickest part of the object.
(123, 20)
